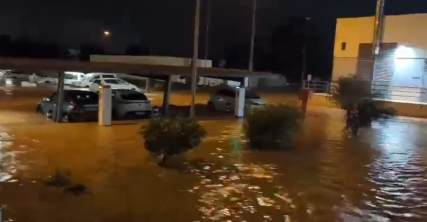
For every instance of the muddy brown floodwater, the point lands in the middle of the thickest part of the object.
(82, 172)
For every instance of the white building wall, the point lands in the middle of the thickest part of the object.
(404, 63)
(405, 30)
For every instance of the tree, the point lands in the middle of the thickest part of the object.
(166, 137)
(87, 49)
(136, 49)
(350, 93)
(5, 45)
(288, 43)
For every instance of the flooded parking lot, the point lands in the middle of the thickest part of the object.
(326, 176)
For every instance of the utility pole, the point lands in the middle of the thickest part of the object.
(306, 31)
(378, 34)
(253, 35)
(195, 58)
(304, 63)
(207, 28)
(379, 27)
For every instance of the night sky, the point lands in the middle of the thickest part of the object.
(166, 25)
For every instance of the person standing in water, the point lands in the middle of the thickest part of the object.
(352, 123)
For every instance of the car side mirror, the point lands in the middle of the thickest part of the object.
(46, 99)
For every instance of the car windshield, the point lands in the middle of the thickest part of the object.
(81, 97)
(70, 76)
(122, 81)
(133, 96)
(112, 81)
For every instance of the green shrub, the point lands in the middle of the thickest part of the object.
(272, 126)
(350, 91)
(370, 111)
(171, 136)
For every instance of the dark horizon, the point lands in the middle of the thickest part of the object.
(166, 26)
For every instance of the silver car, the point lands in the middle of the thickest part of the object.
(128, 103)
(224, 100)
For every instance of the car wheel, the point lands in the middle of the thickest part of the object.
(66, 118)
(48, 114)
(211, 106)
(71, 118)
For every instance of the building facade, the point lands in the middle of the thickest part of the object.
(399, 71)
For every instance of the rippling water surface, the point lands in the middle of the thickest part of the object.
(81, 172)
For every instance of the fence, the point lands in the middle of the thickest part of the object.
(318, 86)
(396, 75)
(380, 90)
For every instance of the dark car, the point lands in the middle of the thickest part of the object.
(78, 105)
(224, 100)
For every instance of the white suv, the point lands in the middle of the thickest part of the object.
(89, 78)
(113, 83)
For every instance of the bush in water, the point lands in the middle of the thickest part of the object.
(171, 136)
(272, 126)
(350, 91)
(370, 110)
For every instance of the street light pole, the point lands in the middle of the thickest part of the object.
(378, 36)
(195, 58)
(306, 32)
(207, 28)
(379, 27)
(253, 36)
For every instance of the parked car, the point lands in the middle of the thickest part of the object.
(224, 100)
(89, 78)
(78, 105)
(130, 103)
(47, 80)
(114, 83)
(12, 78)
(73, 78)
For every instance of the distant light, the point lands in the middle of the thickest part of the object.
(404, 58)
(107, 33)
(404, 52)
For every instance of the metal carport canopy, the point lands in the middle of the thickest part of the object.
(151, 71)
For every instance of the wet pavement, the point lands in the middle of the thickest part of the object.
(82, 172)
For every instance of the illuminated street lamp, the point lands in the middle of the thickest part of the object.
(107, 33)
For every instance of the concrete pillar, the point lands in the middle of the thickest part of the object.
(105, 106)
(59, 98)
(239, 109)
(166, 96)
(245, 82)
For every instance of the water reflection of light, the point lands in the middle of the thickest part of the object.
(7, 158)
(398, 172)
